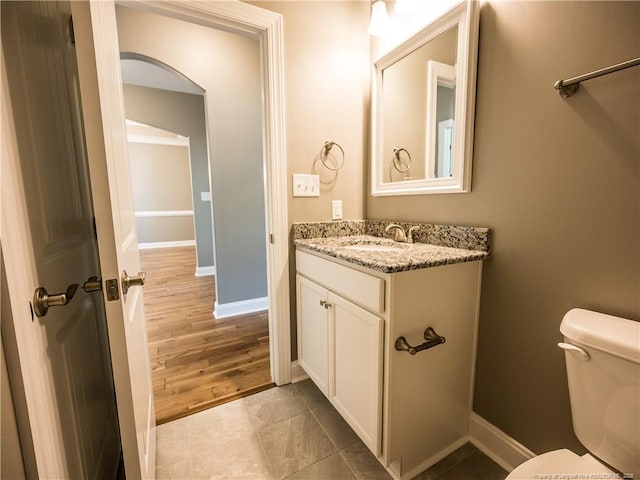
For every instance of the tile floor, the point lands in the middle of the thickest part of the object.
(289, 432)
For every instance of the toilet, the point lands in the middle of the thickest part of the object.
(602, 355)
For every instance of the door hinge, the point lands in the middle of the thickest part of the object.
(72, 35)
(113, 293)
(272, 238)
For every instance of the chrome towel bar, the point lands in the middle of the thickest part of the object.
(568, 87)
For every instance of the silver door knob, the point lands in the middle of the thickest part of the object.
(129, 281)
(42, 300)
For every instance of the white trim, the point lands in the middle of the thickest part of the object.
(267, 28)
(243, 307)
(178, 141)
(497, 445)
(178, 243)
(297, 372)
(205, 271)
(164, 213)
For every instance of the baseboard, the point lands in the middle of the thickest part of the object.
(496, 444)
(297, 372)
(180, 243)
(243, 307)
(205, 271)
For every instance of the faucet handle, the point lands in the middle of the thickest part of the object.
(410, 238)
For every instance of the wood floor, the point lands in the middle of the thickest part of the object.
(197, 361)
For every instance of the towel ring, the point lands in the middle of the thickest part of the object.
(324, 154)
(396, 158)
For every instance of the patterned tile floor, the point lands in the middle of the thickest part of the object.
(289, 432)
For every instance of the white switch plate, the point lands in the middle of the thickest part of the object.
(205, 196)
(336, 209)
(306, 185)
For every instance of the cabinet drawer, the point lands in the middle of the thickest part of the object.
(359, 287)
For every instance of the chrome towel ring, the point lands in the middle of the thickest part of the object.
(325, 153)
(397, 161)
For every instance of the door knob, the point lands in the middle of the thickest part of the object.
(129, 281)
(42, 300)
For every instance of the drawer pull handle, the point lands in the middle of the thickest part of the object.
(431, 337)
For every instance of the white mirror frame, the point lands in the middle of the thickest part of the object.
(466, 16)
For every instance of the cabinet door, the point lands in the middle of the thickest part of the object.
(356, 337)
(313, 332)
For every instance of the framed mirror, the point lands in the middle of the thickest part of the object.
(423, 108)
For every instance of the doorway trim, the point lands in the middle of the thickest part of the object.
(265, 27)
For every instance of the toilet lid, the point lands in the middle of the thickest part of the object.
(558, 462)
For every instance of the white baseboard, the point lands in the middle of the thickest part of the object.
(205, 271)
(180, 243)
(297, 372)
(496, 444)
(243, 307)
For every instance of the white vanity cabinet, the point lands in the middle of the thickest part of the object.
(340, 342)
(410, 410)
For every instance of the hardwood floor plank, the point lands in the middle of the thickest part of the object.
(197, 361)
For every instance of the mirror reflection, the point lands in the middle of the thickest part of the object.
(423, 108)
(418, 112)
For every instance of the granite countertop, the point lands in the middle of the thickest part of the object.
(386, 255)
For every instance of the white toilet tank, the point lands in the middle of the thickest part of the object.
(604, 385)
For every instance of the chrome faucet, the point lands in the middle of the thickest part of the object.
(400, 235)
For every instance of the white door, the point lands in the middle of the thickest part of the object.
(103, 110)
(45, 155)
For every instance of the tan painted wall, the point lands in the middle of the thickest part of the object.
(326, 54)
(161, 181)
(557, 179)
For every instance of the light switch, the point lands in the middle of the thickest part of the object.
(205, 196)
(306, 185)
(336, 209)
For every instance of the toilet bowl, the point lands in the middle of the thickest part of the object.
(561, 464)
(602, 355)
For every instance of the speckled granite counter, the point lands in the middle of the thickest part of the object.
(436, 244)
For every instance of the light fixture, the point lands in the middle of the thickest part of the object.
(379, 19)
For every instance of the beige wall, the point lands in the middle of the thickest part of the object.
(557, 180)
(161, 180)
(326, 54)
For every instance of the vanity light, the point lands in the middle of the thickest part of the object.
(379, 23)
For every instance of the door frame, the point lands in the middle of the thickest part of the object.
(40, 432)
(267, 28)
